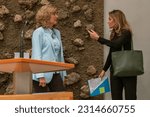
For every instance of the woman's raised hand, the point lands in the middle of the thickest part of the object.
(93, 34)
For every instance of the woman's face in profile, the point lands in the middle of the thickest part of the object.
(53, 19)
(111, 23)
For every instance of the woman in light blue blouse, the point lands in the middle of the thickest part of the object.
(47, 45)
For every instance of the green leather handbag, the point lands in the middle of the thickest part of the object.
(127, 63)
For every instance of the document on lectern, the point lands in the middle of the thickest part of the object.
(98, 86)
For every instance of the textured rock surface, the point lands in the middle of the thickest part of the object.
(75, 17)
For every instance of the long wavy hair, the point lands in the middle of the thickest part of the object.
(44, 14)
(121, 22)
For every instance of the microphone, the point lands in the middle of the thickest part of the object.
(22, 38)
(26, 22)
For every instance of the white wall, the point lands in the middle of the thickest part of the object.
(138, 14)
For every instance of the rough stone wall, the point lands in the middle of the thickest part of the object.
(75, 16)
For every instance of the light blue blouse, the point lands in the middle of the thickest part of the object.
(44, 47)
(56, 43)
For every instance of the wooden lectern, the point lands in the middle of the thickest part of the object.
(22, 70)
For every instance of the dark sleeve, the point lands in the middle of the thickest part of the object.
(116, 43)
(108, 62)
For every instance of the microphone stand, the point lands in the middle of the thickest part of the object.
(22, 39)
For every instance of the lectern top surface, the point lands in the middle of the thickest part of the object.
(32, 65)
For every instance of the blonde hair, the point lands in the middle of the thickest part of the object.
(44, 14)
(119, 17)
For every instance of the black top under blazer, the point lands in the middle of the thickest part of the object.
(116, 44)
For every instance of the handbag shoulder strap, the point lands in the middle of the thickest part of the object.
(131, 45)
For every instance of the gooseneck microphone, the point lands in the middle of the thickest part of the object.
(22, 39)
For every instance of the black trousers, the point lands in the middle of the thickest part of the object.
(129, 84)
(55, 85)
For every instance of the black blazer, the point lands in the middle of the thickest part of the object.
(116, 44)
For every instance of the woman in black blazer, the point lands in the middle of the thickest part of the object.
(120, 37)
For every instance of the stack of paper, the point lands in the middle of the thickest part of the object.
(98, 86)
